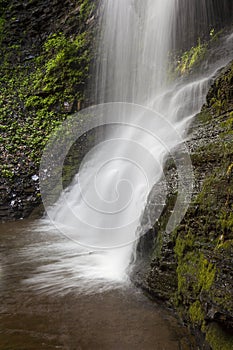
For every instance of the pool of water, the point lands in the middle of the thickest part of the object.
(45, 304)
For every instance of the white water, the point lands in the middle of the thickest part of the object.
(103, 206)
(136, 37)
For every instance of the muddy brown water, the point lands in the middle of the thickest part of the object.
(33, 317)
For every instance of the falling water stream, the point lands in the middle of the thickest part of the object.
(102, 208)
(77, 257)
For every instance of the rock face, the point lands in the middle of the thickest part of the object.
(45, 54)
(192, 268)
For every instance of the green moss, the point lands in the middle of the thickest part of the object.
(227, 245)
(2, 20)
(220, 97)
(225, 221)
(204, 240)
(7, 173)
(64, 66)
(183, 244)
(2, 24)
(195, 274)
(187, 275)
(196, 313)
(206, 274)
(218, 338)
(36, 96)
(218, 105)
(204, 117)
(191, 58)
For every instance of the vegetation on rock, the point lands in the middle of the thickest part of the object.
(190, 59)
(191, 268)
(43, 77)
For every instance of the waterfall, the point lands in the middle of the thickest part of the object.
(103, 206)
(135, 40)
(197, 18)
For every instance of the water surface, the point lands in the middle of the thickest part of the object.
(44, 307)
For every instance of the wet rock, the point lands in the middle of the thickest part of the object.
(27, 26)
(192, 268)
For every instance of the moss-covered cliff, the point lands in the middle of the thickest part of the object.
(45, 56)
(192, 268)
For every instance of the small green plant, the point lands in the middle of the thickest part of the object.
(212, 32)
(191, 58)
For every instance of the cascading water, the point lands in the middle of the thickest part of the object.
(102, 207)
(135, 40)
